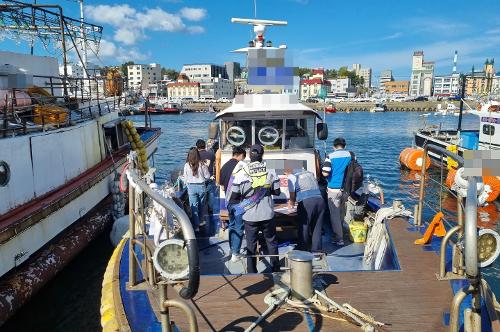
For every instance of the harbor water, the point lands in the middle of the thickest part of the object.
(71, 301)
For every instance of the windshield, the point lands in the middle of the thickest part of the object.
(297, 134)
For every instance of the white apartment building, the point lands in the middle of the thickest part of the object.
(215, 88)
(495, 85)
(339, 86)
(447, 85)
(366, 73)
(198, 72)
(75, 70)
(141, 76)
(385, 76)
(422, 75)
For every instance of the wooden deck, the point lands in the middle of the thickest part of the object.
(411, 299)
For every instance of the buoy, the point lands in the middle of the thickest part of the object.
(413, 159)
(491, 184)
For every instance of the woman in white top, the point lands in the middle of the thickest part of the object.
(195, 175)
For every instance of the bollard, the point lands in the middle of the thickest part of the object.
(301, 274)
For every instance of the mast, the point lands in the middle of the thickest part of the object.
(462, 96)
(83, 41)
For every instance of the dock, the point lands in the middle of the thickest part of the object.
(407, 299)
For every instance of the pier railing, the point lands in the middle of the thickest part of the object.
(465, 260)
(142, 249)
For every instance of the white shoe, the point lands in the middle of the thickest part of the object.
(235, 258)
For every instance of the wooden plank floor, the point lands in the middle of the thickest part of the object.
(408, 300)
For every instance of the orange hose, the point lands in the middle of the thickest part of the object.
(413, 159)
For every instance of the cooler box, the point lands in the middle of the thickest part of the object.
(470, 140)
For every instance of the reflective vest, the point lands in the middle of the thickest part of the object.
(257, 172)
(306, 186)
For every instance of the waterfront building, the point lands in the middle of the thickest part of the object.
(495, 86)
(240, 86)
(366, 73)
(183, 90)
(203, 71)
(385, 76)
(339, 86)
(215, 88)
(233, 70)
(480, 82)
(318, 73)
(447, 85)
(140, 76)
(310, 88)
(422, 75)
(75, 70)
(396, 87)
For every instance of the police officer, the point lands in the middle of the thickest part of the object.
(304, 190)
(254, 187)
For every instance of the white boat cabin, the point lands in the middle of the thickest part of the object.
(285, 127)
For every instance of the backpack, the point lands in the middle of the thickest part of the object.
(353, 176)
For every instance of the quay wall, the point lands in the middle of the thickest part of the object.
(413, 106)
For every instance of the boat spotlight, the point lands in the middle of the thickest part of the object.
(488, 247)
(170, 259)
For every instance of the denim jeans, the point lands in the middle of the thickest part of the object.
(212, 204)
(197, 196)
(235, 231)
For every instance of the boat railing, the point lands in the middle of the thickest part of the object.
(465, 260)
(142, 251)
(53, 110)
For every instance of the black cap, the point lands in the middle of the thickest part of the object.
(238, 150)
(259, 149)
(200, 144)
(339, 141)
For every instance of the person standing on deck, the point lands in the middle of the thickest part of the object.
(208, 157)
(195, 175)
(334, 170)
(254, 187)
(227, 174)
(304, 189)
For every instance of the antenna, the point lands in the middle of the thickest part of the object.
(259, 27)
(455, 62)
(255, 8)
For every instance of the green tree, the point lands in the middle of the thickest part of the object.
(170, 73)
(344, 72)
(331, 73)
(301, 71)
(124, 66)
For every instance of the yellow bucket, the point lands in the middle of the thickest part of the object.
(358, 231)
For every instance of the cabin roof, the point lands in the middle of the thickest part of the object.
(266, 103)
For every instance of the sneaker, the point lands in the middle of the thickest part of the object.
(235, 258)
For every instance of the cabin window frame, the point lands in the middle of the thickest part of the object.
(490, 131)
(5, 174)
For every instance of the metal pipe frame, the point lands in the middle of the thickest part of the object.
(193, 324)
(442, 254)
(470, 229)
(455, 307)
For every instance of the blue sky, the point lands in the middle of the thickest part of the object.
(377, 34)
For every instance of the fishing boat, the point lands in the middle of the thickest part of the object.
(486, 137)
(62, 144)
(386, 282)
(330, 108)
(378, 107)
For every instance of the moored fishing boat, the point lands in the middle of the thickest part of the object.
(389, 282)
(62, 143)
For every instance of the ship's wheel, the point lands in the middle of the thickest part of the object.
(236, 136)
(268, 135)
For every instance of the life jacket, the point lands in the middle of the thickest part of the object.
(258, 174)
(307, 186)
(257, 171)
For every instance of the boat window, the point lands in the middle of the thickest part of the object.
(269, 133)
(299, 133)
(4, 173)
(236, 133)
(488, 129)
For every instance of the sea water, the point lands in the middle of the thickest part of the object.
(71, 301)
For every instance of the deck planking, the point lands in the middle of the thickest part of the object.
(411, 299)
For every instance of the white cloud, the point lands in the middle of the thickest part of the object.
(193, 14)
(393, 36)
(195, 29)
(110, 51)
(132, 25)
